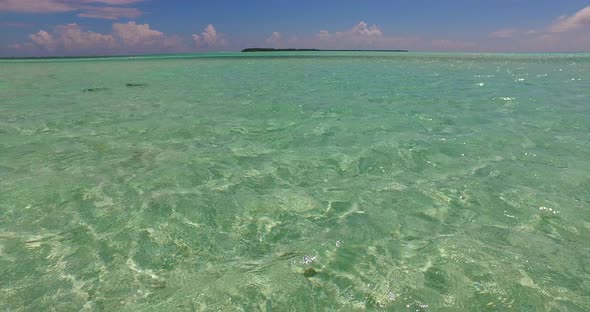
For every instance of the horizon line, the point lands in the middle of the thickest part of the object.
(266, 51)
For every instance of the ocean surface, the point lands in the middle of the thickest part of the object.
(296, 182)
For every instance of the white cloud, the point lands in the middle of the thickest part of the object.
(363, 29)
(73, 37)
(363, 36)
(567, 23)
(136, 35)
(140, 38)
(126, 38)
(44, 40)
(210, 38)
(275, 39)
(359, 36)
(106, 9)
(323, 34)
(557, 37)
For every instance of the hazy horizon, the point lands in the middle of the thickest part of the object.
(263, 54)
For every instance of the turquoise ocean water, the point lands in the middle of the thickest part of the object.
(296, 182)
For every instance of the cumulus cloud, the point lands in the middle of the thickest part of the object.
(72, 38)
(125, 38)
(364, 36)
(43, 39)
(137, 35)
(363, 29)
(106, 9)
(210, 38)
(557, 37)
(503, 33)
(360, 34)
(275, 39)
(567, 23)
(141, 38)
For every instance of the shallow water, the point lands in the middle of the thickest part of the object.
(306, 182)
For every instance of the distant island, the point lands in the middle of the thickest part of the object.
(313, 50)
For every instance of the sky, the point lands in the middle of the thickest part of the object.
(114, 27)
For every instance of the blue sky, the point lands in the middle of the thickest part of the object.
(80, 27)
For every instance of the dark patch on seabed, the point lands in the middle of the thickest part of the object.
(95, 89)
(129, 85)
(311, 272)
